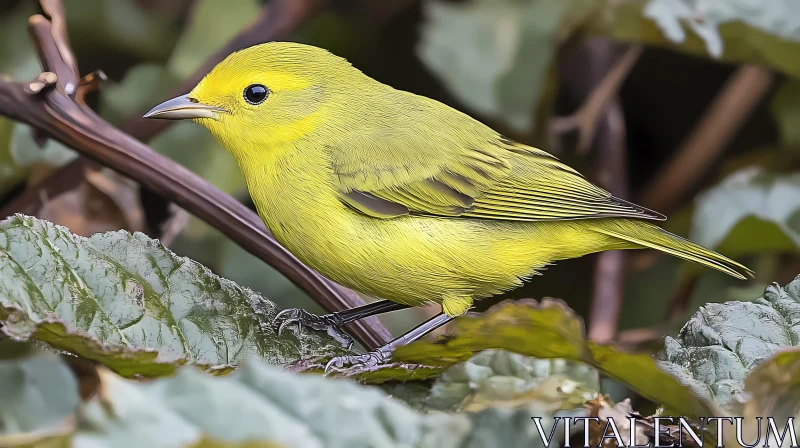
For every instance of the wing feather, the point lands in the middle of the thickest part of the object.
(516, 183)
(460, 169)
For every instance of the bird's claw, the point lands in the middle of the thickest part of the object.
(325, 323)
(367, 360)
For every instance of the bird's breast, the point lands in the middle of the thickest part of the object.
(296, 200)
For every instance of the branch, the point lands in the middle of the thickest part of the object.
(54, 111)
(708, 140)
(609, 276)
(597, 72)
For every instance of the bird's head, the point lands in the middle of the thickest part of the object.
(266, 94)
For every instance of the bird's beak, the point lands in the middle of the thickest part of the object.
(183, 108)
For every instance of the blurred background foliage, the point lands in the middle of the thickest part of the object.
(513, 65)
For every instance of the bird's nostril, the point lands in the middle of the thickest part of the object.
(192, 100)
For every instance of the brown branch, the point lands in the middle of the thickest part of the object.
(596, 74)
(58, 29)
(609, 276)
(81, 129)
(708, 140)
(50, 52)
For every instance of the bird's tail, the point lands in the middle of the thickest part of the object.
(654, 237)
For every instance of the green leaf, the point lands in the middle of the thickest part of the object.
(128, 302)
(723, 342)
(494, 377)
(39, 393)
(197, 43)
(773, 389)
(551, 330)
(493, 55)
(737, 31)
(213, 249)
(261, 405)
(786, 110)
(258, 405)
(749, 202)
(27, 152)
(206, 158)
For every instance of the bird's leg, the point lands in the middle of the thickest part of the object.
(384, 353)
(332, 323)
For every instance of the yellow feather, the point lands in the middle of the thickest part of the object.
(401, 197)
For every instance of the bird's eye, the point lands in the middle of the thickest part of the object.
(256, 94)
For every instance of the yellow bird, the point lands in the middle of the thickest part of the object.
(399, 196)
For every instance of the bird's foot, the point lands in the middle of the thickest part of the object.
(365, 361)
(329, 323)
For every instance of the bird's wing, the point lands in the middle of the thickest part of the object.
(498, 179)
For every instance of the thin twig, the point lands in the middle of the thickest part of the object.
(724, 117)
(83, 130)
(89, 83)
(586, 119)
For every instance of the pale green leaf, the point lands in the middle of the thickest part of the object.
(496, 377)
(749, 202)
(772, 389)
(120, 26)
(493, 55)
(39, 394)
(740, 31)
(260, 405)
(142, 88)
(786, 111)
(211, 25)
(18, 151)
(723, 342)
